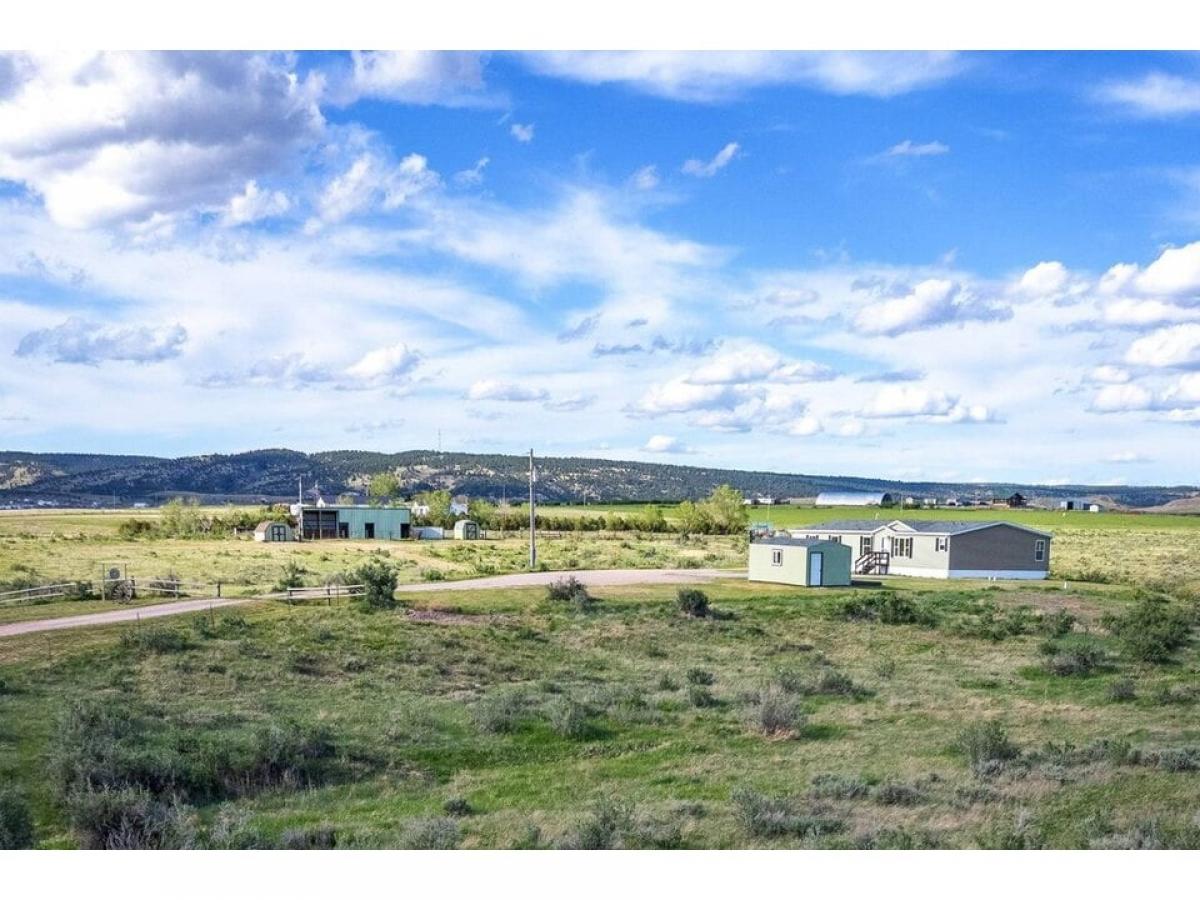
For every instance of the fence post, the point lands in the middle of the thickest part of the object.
(218, 590)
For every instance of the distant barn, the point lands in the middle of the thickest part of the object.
(854, 498)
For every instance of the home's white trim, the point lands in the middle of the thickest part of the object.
(898, 525)
(1013, 574)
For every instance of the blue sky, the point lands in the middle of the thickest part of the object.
(942, 266)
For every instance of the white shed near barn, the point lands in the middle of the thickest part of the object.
(466, 530)
(272, 532)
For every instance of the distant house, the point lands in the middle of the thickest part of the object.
(1079, 503)
(1017, 501)
(933, 549)
(854, 498)
(272, 532)
(809, 562)
(459, 505)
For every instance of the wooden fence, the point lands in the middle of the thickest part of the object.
(40, 593)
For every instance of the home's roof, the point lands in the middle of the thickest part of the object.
(920, 526)
(864, 526)
(783, 540)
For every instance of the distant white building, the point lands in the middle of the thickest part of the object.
(459, 505)
(854, 498)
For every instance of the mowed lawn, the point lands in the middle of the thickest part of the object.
(505, 719)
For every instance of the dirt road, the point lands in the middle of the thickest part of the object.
(592, 578)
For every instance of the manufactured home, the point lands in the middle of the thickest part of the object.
(939, 549)
(808, 562)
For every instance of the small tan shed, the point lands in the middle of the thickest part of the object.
(274, 531)
(807, 562)
(466, 530)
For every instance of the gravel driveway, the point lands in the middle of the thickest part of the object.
(592, 578)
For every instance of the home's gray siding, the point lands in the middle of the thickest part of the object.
(1000, 548)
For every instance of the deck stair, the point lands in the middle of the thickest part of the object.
(873, 562)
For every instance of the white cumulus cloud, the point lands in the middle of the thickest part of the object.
(664, 443)
(107, 137)
(1178, 345)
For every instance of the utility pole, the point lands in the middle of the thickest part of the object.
(532, 515)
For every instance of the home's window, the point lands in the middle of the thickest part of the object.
(777, 557)
(864, 545)
(941, 544)
(902, 546)
(1039, 550)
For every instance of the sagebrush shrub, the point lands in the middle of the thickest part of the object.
(568, 718)
(128, 819)
(430, 834)
(500, 711)
(1081, 659)
(692, 602)
(701, 697)
(986, 746)
(897, 793)
(567, 589)
(1122, 690)
(378, 578)
(828, 786)
(700, 676)
(16, 822)
(322, 837)
(763, 815)
(1152, 630)
(776, 713)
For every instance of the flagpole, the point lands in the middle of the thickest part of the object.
(532, 515)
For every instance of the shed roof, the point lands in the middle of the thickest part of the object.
(784, 540)
(261, 527)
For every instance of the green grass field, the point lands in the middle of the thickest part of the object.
(502, 719)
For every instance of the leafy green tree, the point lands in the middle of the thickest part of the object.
(439, 508)
(383, 488)
(181, 518)
(693, 518)
(726, 509)
(482, 512)
(651, 519)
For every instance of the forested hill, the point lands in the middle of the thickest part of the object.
(275, 474)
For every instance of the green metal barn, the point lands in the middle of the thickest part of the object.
(389, 523)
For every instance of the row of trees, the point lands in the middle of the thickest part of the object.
(180, 518)
(722, 512)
